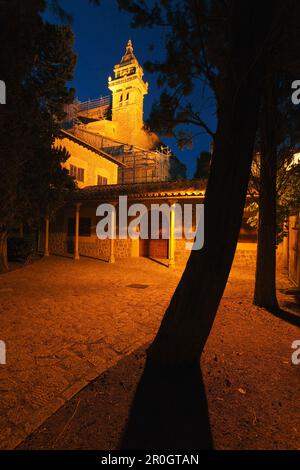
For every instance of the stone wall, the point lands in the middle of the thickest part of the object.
(245, 254)
(123, 248)
(58, 243)
(61, 244)
(181, 253)
(100, 249)
(94, 248)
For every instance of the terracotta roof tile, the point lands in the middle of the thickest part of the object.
(180, 188)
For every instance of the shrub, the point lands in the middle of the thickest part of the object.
(19, 249)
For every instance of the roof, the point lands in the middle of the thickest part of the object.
(85, 144)
(129, 55)
(160, 189)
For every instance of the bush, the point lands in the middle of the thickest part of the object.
(19, 249)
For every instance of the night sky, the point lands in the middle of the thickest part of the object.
(101, 34)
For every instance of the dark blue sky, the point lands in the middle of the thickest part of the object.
(101, 34)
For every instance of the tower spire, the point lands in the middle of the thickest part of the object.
(129, 55)
(129, 48)
(128, 89)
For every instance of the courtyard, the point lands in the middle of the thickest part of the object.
(66, 322)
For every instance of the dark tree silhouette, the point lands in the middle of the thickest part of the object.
(247, 34)
(265, 275)
(278, 139)
(203, 166)
(35, 75)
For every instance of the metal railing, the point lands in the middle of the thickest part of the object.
(92, 104)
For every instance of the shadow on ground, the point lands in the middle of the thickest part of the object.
(169, 411)
(287, 316)
(166, 409)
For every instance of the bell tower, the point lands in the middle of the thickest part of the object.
(128, 89)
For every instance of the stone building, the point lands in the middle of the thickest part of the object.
(289, 250)
(113, 155)
(88, 164)
(115, 126)
(73, 232)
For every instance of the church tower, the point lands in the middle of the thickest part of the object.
(128, 89)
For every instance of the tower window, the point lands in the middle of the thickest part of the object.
(127, 97)
(121, 98)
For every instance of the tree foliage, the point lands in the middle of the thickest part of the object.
(190, 63)
(288, 192)
(286, 123)
(35, 74)
(203, 166)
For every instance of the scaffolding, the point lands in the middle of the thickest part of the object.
(96, 109)
(89, 106)
(141, 165)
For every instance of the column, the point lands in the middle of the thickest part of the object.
(77, 218)
(285, 246)
(112, 236)
(46, 251)
(39, 245)
(171, 251)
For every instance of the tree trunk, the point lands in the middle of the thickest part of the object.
(3, 252)
(265, 277)
(190, 315)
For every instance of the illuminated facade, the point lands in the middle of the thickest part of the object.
(88, 165)
(73, 232)
(112, 155)
(115, 126)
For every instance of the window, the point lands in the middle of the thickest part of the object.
(121, 98)
(127, 97)
(73, 171)
(85, 227)
(80, 174)
(77, 173)
(101, 180)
